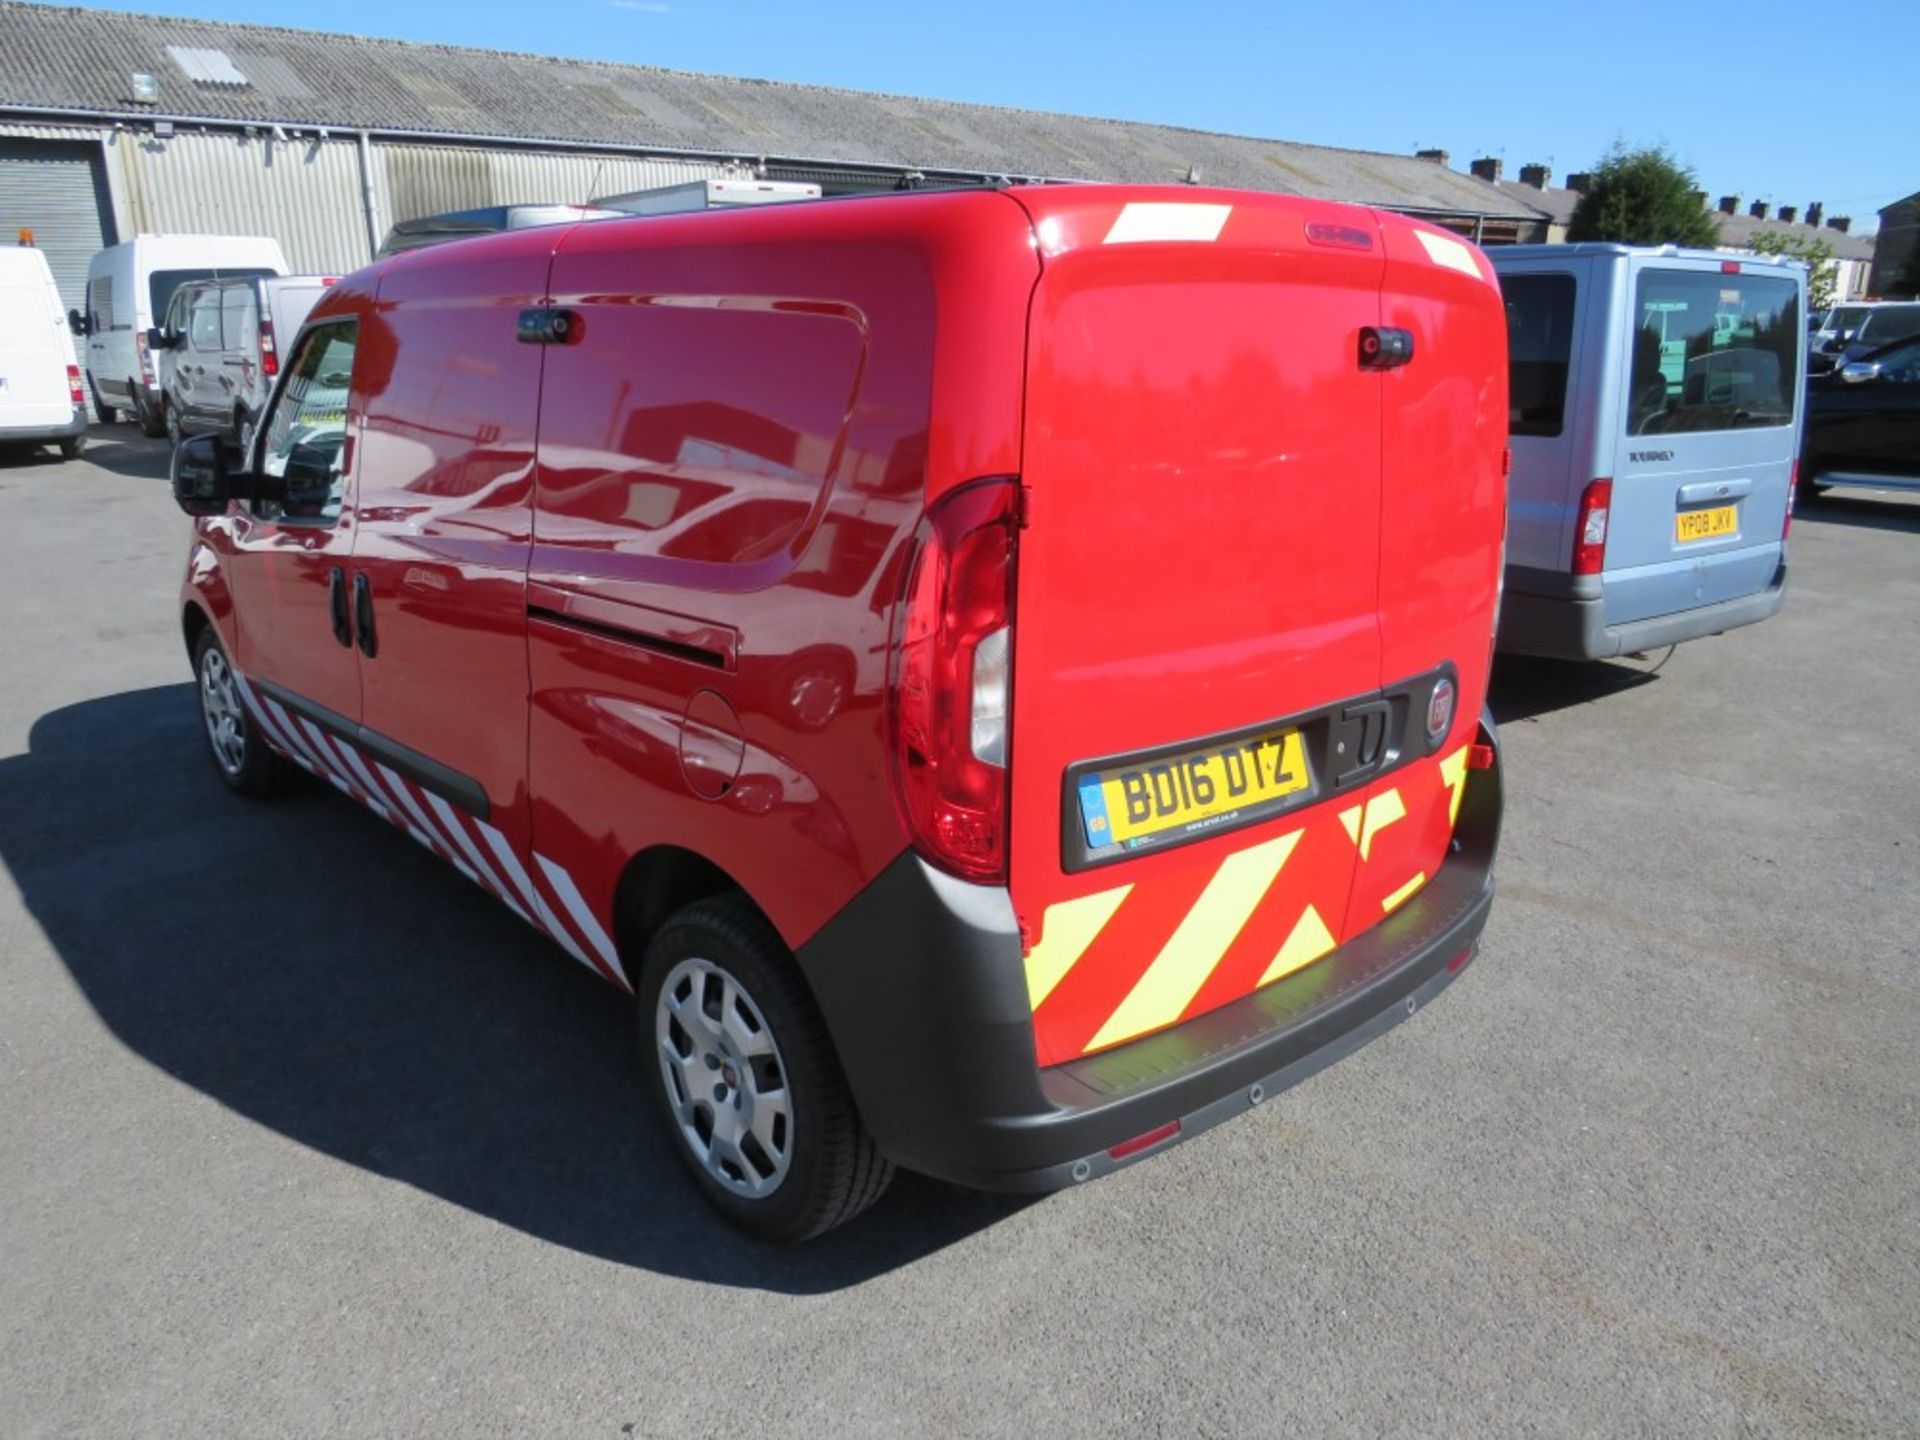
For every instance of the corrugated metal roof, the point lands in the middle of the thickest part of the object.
(61, 58)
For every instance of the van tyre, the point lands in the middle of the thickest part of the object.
(70, 449)
(746, 1079)
(242, 758)
(148, 413)
(106, 413)
(170, 422)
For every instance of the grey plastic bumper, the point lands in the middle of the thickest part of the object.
(1553, 614)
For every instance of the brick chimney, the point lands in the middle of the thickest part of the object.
(1814, 212)
(1486, 168)
(1534, 175)
(1729, 204)
(1787, 214)
(1438, 157)
(1842, 223)
(1580, 181)
(1758, 210)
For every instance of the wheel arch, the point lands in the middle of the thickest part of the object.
(655, 883)
(194, 621)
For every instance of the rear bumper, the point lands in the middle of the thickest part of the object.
(72, 428)
(1547, 612)
(922, 983)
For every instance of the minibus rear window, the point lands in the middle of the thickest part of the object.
(1539, 343)
(1713, 351)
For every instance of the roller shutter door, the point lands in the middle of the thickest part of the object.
(56, 189)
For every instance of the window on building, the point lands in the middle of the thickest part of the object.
(1539, 349)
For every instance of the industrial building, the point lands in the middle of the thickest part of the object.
(115, 124)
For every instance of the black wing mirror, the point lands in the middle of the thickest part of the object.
(77, 323)
(161, 338)
(209, 474)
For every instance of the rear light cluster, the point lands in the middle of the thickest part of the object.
(269, 357)
(1793, 493)
(144, 354)
(952, 685)
(1590, 528)
(74, 392)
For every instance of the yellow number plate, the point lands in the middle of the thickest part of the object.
(1181, 791)
(1706, 524)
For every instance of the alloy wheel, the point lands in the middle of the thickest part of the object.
(725, 1078)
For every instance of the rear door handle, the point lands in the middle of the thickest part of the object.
(337, 605)
(363, 615)
(1702, 491)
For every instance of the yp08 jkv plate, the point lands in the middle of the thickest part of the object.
(1712, 524)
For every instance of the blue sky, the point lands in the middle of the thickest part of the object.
(1746, 93)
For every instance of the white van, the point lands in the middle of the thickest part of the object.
(128, 289)
(41, 402)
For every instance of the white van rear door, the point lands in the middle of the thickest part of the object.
(34, 355)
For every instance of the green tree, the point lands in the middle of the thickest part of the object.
(1643, 197)
(1816, 255)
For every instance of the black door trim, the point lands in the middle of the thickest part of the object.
(426, 772)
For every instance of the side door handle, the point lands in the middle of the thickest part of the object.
(363, 615)
(337, 605)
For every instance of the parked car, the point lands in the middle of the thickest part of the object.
(1863, 422)
(41, 402)
(1851, 331)
(1656, 404)
(1175, 515)
(219, 349)
(129, 288)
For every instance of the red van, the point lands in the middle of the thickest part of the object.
(998, 674)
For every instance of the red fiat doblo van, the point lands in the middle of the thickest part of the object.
(998, 674)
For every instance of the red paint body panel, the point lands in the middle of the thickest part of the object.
(445, 514)
(734, 450)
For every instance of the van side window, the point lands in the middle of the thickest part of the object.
(1539, 344)
(306, 432)
(205, 321)
(236, 316)
(1713, 351)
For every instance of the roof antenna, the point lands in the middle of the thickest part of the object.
(1193, 175)
(594, 183)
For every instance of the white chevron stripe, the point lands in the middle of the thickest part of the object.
(296, 744)
(329, 767)
(430, 835)
(450, 822)
(570, 896)
(509, 863)
(373, 798)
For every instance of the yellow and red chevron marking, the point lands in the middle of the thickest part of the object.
(1138, 955)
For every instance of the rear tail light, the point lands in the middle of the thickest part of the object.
(145, 357)
(74, 392)
(269, 357)
(1793, 492)
(952, 681)
(1590, 529)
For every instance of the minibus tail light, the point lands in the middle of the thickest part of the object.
(1793, 493)
(74, 392)
(269, 357)
(1590, 528)
(951, 691)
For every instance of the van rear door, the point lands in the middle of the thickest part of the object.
(1705, 455)
(1197, 579)
(34, 351)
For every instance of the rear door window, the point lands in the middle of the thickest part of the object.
(1539, 346)
(1713, 351)
(162, 283)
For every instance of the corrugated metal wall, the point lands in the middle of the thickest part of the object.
(305, 193)
(58, 190)
(414, 180)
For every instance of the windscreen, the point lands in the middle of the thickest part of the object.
(162, 283)
(1713, 351)
(1888, 324)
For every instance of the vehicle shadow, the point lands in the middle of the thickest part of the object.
(123, 450)
(312, 969)
(1525, 686)
(1869, 511)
